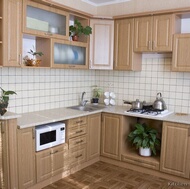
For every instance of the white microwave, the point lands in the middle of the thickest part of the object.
(49, 135)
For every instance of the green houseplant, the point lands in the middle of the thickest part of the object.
(144, 137)
(77, 29)
(4, 100)
(34, 61)
(97, 92)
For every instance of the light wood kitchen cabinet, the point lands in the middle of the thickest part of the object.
(1, 31)
(154, 33)
(77, 140)
(52, 161)
(110, 136)
(69, 54)
(101, 44)
(180, 55)
(124, 57)
(26, 157)
(94, 129)
(175, 151)
(12, 35)
(47, 21)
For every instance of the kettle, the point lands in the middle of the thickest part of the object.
(159, 103)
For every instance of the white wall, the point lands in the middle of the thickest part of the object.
(39, 89)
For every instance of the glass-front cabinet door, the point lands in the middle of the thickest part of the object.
(45, 20)
(69, 54)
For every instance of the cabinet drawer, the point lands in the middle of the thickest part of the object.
(77, 141)
(77, 121)
(145, 162)
(77, 156)
(76, 131)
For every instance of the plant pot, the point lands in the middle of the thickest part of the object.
(33, 62)
(145, 151)
(95, 100)
(3, 108)
(75, 37)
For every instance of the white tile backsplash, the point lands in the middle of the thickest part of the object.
(39, 89)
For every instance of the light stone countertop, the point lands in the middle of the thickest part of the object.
(61, 114)
(9, 115)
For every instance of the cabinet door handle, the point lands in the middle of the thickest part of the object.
(54, 152)
(79, 121)
(20, 59)
(149, 45)
(79, 131)
(48, 33)
(153, 44)
(2, 127)
(78, 142)
(78, 156)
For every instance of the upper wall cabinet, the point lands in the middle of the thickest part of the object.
(69, 54)
(44, 20)
(101, 44)
(11, 45)
(1, 33)
(124, 57)
(154, 33)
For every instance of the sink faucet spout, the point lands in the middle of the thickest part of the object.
(83, 102)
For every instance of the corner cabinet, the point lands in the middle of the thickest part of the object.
(154, 33)
(181, 56)
(101, 44)
(94, 128)
(69, 54)
(175, 150)
(124, 57)
(110, 138)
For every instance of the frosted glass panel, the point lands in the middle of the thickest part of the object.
(68, 54)
(39, 19)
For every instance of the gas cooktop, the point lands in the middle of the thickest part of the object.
(148, 112)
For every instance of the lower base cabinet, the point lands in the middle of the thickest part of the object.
(26, 158)
(51, 162)
(175, 151)
(110, 136)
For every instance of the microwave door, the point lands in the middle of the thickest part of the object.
(47, 137)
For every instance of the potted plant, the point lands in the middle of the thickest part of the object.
(77, 29)
(97, 92)
(33, 61)
(4, 100)
(145, 139)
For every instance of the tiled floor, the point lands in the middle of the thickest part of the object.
(103, 176)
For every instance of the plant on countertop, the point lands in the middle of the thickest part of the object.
(97, 92)
(4, 100)
(32, 61)
(144, 137)
(77, 29)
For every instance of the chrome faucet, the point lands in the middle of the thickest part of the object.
(83, 102)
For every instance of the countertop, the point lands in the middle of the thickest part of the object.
(9, 115)
(61, 114)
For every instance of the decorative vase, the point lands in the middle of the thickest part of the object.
(3, 108)
(145, 151)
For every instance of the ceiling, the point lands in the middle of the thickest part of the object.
(103, 2)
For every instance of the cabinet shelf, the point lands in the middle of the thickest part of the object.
(132, 156)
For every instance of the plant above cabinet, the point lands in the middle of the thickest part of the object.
(77, 29)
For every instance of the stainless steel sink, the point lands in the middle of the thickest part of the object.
(87, 108)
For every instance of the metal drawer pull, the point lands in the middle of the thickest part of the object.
(79, 142)
(79, 121)
(78, 156)
(54, 152)
(79, 131)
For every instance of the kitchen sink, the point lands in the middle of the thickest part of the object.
(87, 108)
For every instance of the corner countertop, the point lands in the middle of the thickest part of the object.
(32, 119)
